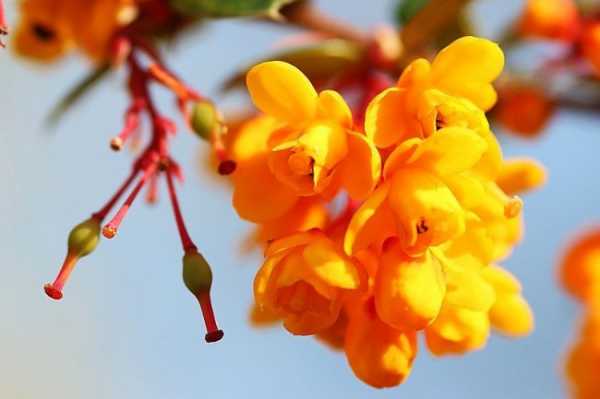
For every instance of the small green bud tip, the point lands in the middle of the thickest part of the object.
(84, 238)
(204, 119)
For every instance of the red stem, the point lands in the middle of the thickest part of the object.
(186, 240)
(213, 333)
(101, 214)
(110, 229)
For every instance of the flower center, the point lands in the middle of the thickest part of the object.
(300, 163)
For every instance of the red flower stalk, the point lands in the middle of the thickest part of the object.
(197, 274)
(154, 160)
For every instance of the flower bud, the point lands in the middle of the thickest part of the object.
(205, 119)
(197, 277)
(83, 239)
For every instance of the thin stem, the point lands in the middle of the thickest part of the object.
(186, 240)
(304, 15)
(110, 229)
(132, 123)
(101, 214)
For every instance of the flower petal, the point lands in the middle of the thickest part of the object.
(327, 263)
(467, 67)
(331, 105)
(362, 216)
(408, 291)
(385, 120)
(361, 169)
(450, 150)
(281, 90)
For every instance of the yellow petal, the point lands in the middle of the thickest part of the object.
(258, 196)
(379, 355)
(385, 120)
(362, 216)
(281, 90)
(400, 156)
(331, 106)
(467, 67)
(361, 169)
(408, 291)
(512, 316)
(467, 289)
(426, 210)
(457, 331)
(330, 266)
(521, 175)
(450, 150)
(291, 241)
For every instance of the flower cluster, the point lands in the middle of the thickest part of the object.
(376, 232)
(580, 276)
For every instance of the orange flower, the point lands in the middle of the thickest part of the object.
(379, 355)
(48, 29)
(583, 362)
(579, 271)
(513, 100)
(550, 19)
(303, 147)
(304, 281)
(590, 45)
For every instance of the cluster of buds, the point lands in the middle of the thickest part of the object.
(575, 30)
(430, 207)
(579, 274)
(155, 161)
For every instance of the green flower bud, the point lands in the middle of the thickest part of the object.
(205, 119)
(197, 275)
(84, 238)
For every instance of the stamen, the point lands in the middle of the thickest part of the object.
(171, 82)
(132, 123)
(110, 229)
(101, 214)
(54, 290)
(513, 207)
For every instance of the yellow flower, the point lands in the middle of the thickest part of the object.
(411, 109)
(304, 281)
(314, 150)
(462, 324)
(379, 355)
(510, 314)
(408, 291)
(415, 203)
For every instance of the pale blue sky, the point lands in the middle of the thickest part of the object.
(128, 329)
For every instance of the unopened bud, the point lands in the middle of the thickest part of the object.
(83, 239)
(197, 277)
(205, 119)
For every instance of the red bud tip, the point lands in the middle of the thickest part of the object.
(54, 290)
(227, 167)
(213, 334)
(116, 144)
(109, 231)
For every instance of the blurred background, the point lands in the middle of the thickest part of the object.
(127, 327)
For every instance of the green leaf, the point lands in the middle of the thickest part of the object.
(76, 93)
(407, 9)
(320, 62)
(229, 8)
